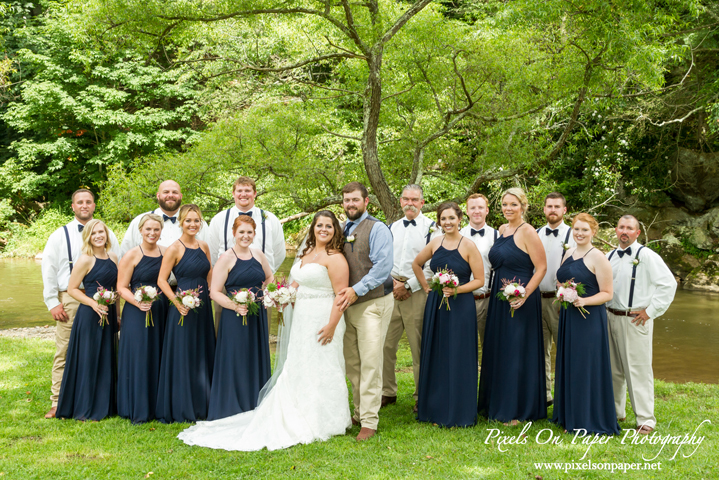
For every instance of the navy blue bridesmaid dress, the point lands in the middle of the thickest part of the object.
(583, 392)
(242, 358)
(141, 348)
(188, 350)
(512, 385)
(89, 381)
(447, 391)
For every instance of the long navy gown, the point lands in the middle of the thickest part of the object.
(447, 391)
(583, 392)
(89, 380)
(141, 348)
(188, 351)
(242, 358)
(512, 385)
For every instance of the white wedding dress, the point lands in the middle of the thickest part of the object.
(308, 399)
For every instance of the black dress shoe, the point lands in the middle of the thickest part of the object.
(550, 402)
(388, 400)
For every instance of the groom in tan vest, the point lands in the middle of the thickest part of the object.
(367, 304)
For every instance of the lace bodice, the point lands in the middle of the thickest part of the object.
(313, 279)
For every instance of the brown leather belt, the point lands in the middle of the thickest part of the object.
(621, 313)
(481, 297)
(549, 294)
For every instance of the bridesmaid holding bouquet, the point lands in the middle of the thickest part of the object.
(143, 325)
(88, 384)
(188, 350)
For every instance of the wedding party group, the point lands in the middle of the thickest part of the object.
(457, 292)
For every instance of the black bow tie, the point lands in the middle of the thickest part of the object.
(246, 213)
(550, 231)
(480, 231)
(80, 226)
(621, 253)
(347, 228)
(167, 217)
(409, 222)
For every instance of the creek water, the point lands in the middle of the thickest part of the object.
(686, 338)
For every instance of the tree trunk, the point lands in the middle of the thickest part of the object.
(370, 155)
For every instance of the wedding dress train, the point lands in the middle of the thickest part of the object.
(308, 398)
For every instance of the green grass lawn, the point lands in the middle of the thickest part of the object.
(32, 447)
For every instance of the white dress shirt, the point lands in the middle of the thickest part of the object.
(56, 265)
(274, 246)
(170, 232)
(554, 248)
(654, 286)
(484, 244)
(407, 243)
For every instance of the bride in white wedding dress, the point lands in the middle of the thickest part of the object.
(306, 399)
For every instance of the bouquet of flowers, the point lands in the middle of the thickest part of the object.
(568, 292)
(511, 290)
(444, 278)
(189, 298)
(147, 294)
(279, 295)
(103, 296)
(245, 296)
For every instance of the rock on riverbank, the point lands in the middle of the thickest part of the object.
(45, 333)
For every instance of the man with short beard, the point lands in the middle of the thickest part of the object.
(367, 304)
(556, 237)
(644, 287)
(61, 251)
(410, 235)
(169, 199)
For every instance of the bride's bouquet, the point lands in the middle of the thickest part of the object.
(444, 278)
(279, 295)
(511, 290)
(568, 292)
(106, 297)
(189, 298)
(245, 296)
(147, 294)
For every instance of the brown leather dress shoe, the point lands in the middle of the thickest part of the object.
(623, 419)
(644, 430)
(416, 408)
(365, 433)
(388, 400)
(51, 413)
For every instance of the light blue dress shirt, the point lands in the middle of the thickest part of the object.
(381, 255)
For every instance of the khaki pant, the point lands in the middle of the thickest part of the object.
(550, 330)
(630, 350)
(62, 339)
(481, 306)
(407, 315)
(367, 324)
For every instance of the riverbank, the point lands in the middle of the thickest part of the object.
(32, 447)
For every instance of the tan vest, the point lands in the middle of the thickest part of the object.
(357, 255)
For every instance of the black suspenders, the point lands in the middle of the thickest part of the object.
(429, 233)
(69, 249)
(264, 228)
(634, 275)
(491, 270)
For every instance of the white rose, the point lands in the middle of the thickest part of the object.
(285, 298)
(293, 293)
(560, 292)
(151, 292)
(509, 290)
(197, 302)
(241, 297)
(107, 295)
(522, 291)
(188, 301)
(96, 297)
(138, 296)
(268, 302)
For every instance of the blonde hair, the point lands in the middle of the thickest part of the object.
(87, 233)
(150, 216)
(185, 209)
(521, 196)
(586, 218)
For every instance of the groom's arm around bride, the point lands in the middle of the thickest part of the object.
(368, 304)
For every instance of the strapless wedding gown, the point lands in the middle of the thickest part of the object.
(309, 400)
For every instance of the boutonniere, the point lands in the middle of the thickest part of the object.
(566, 246)
(351, 240)
(432, 228)
(264, 216)
(636, 261)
